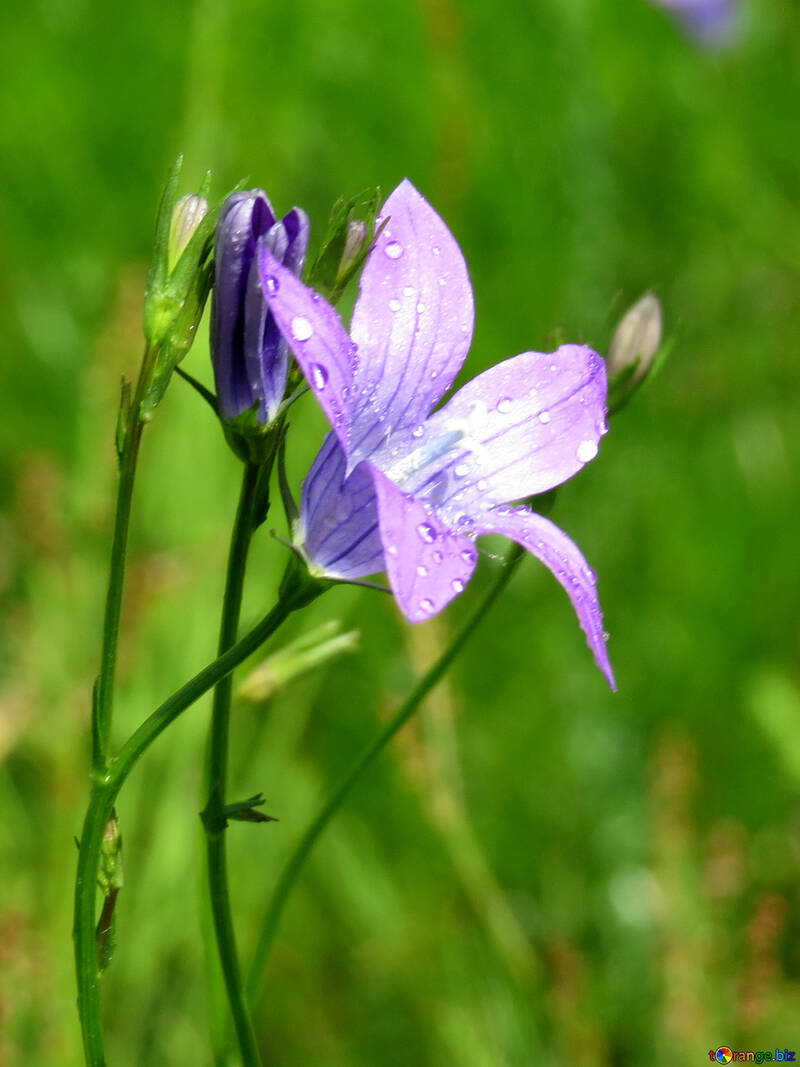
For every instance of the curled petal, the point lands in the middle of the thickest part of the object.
(245, 217)
(412, 321)
(338, 516)
(551, 545)
(266, 350)
(427, 563)
(526, 425)
(316, 336)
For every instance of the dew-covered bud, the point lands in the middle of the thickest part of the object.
(248, 352)
(187, 215)
(633, 349)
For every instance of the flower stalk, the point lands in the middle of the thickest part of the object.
(406, 711)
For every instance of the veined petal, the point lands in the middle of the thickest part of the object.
(316, 336)
(266, 350)
(427, 563)
(526, 425)
(244, 218)
(338, 516)
(412, 321)
(551, 545)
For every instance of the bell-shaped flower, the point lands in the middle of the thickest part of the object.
(249, 354)
(400, 488)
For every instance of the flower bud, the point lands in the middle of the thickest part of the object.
(633, 349)
(177, 286)
(248, 352)
(187, 215)
(345, 246)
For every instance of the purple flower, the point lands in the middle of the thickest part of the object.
(708, 20)
(248, 351)
(398, 487)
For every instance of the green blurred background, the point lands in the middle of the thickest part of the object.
(538, 872)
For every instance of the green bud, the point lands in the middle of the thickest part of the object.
(346, 244)
(633, 350)
(187, 215)
(178, 284)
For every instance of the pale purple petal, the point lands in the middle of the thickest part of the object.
(426, 562)
(412, 321)
(551, 545)
(527, 425)
(265, 346)
(316, 336)
(338, 516)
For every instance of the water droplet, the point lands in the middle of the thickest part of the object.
(553, 368)
(393, 250)
(436, 250)
(301, 328)
(392, 550)
(420, 308)
(468, 555)
(544, 416)
(434, 375)
(418, 431)
(426, 532)
(427, 605)
(394, 304)
(505, 404)
(408, 290)
(461, 469)
(422, 570)
(272, 285)
(319, 375)
(437, 556)
(586, 450)
(483, 485)
(315, 298)
(458, 585)
(606, 636)
(443, 280)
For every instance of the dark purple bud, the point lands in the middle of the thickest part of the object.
(249, 354)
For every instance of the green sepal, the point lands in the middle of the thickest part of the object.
(245, 810)
(622, 387)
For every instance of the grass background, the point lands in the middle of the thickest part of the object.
(539, 872)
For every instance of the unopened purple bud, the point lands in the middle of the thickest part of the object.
(633, 349)
(249, 354)
(187, 215)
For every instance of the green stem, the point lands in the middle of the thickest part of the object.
(213, 816)
(291, 871)
(105, 789)
(104, 697)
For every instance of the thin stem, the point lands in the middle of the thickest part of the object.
(104, 696)
(291, 871)
(213, 816)
(105, 789)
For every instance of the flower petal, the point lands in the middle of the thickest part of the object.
(551, 545)
(527, 424)
(244, 218)
(266, 349)
(338, 516)
(427, 563)
(412, 321)
(316, 336)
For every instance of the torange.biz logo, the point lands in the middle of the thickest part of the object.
(727, 1055)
